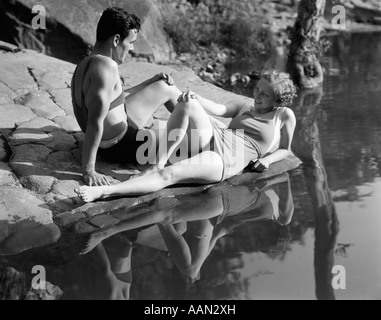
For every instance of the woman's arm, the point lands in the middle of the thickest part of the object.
(287, 133)
(286, 204)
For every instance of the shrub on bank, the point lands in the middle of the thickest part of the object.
(237, 25)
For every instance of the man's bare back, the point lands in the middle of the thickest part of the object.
(101, 109)
(88, 79)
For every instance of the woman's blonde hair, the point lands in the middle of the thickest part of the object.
(284, 88)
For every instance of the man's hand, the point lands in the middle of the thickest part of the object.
(164, 76)
(260, 165)
(95, 179)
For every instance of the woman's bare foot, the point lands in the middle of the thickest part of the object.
(90, 194)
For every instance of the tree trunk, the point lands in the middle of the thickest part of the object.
(308, 147)
(305, 50)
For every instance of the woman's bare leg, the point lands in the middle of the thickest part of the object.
(204, 168)
(189, 124)
(188, 255)
(206, 208)
(142, 104)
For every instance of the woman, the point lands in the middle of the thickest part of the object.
(253, 132)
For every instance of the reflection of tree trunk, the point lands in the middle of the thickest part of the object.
(303, 63)
(308, 148)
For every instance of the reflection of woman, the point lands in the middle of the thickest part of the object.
(239, 206)
(208, 217)
(254, 132)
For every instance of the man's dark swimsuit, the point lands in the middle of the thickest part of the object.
(121, 150)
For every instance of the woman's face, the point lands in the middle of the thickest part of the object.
(264, 96)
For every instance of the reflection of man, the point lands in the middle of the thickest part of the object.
(104, 274)
(109, 119)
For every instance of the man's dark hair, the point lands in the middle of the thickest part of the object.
(116, 21)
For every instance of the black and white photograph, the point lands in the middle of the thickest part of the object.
(190, 155)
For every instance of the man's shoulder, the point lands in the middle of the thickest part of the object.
(103, 66)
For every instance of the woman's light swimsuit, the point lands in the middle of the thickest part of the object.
(247, 138)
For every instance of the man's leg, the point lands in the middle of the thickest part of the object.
(141, 105)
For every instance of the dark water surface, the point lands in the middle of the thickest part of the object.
(274, 240)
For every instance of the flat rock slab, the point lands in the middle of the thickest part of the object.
(16, 77)
(39, 124)
(13, 114)
(109, 213)
(25, 221)
(67, 123)
(3, 152)
(7, 177)
(42, 105)
(6, 94)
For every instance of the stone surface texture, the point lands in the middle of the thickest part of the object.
(40, 152)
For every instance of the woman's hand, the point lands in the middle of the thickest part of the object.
(186, 96)
(164, 76)
(260, 165)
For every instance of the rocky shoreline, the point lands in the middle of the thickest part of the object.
(40, 150)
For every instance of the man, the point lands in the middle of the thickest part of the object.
(109, 119)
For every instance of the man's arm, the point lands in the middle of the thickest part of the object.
(161, 76)
(102, 76)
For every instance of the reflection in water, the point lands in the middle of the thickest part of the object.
(224, 213)
(351, 135)
(307, 145)
(186, 234)
(235, 220)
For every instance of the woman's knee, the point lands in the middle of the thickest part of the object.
(191, 107)
(168, 175)
(173, 174)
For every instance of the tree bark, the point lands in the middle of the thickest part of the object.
(305, 50)
(308, 147)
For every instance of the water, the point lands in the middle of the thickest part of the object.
(328, 214)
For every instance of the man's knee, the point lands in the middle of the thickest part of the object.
(162, 86)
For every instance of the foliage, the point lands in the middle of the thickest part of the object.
(237, 25)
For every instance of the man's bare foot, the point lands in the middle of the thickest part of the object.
(95, 239)
(90, 194)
